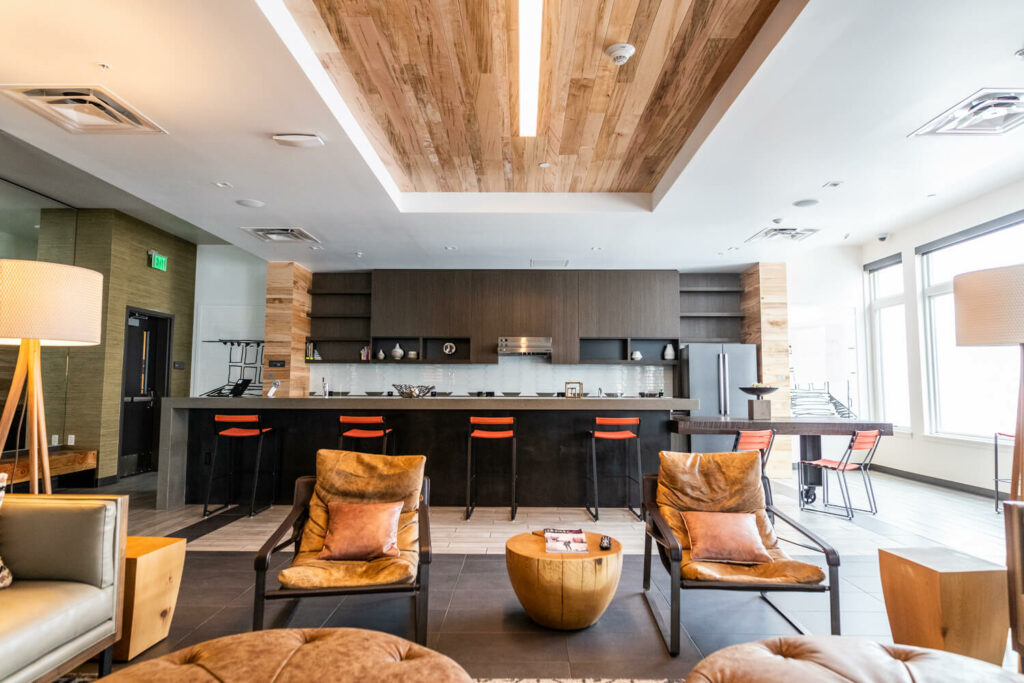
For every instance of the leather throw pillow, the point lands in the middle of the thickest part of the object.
(5, 574)
(361, 531)
(730, 537)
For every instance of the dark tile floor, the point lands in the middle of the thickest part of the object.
(475, 618)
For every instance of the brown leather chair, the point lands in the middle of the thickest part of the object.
(725, 482)
(1014, 514)
(353, 478)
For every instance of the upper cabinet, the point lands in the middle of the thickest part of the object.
(525, 303)
(421, 303)
(628, 303)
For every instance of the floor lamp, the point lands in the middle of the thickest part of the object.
(990, 312)
(43, 304)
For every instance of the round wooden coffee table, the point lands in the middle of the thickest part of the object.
(563, 590)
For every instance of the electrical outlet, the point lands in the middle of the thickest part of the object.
(71, 439)
(55, 440)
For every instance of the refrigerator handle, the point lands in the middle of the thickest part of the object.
(721, 384)
(725, 384)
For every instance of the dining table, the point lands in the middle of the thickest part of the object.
(809, 429)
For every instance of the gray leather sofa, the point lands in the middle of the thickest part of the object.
(67, 556)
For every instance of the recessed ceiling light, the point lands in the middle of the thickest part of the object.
(451, 247)
(596, 248)
(1019, 53)
(36, 227)
(833, 183)
(804, 203)
(543, 164)
(103, 66)
(932, 195)
(777, 221)
(531, 26)
(298, 140)
(316, 247)
(223, 184)
(358, 254)
(250, 203)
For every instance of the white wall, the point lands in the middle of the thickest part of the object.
(230, 304)
(959, 460)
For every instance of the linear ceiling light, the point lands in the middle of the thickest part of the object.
(531, 21)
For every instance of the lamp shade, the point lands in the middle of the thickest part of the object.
(57, 304)
(990, 307)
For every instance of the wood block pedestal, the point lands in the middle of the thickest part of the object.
(153, 567)
(946, 600)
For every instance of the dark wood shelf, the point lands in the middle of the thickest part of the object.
(710, 289)
(336, 292)
(709, 314)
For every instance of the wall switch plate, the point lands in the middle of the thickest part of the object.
(55, 440)
(276, 363)
(179, 365)
(71, 439)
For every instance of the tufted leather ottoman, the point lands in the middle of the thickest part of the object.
(790, 659)
(312, 654)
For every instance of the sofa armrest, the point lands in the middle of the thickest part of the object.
(65, 538)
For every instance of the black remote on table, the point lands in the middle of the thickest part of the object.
(606, 543)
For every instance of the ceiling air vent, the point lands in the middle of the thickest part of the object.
(991, 111)
(81, 109)
(282, 235)
(782, 235)
(549, 263)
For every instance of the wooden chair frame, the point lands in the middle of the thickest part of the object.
(296, 521)
(671, 555)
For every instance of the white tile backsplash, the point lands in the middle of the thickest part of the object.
(527, 374)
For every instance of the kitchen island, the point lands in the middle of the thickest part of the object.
(552, 443)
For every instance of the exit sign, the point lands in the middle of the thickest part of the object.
(157, 260)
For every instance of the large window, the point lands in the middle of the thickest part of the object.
(889, 331)
(972, 389)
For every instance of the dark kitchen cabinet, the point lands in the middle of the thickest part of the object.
(528, 303)
(421, 303)
(628, 303)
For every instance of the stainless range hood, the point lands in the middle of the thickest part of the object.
(524, 346)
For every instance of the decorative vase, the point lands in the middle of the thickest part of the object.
(397, 353)
(636, 355)
(380, 354)
(669, 353)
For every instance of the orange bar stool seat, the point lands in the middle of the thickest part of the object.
(374, 427)
(622, 434)
(865, 443)
(758, 440)
(491, 434)
(254, 428)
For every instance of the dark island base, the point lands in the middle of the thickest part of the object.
(552, 451)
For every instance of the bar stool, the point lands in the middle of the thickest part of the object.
(381, 432)
(258, 430)
(758, 440)
(614, 435)
(865, 442)
(490, 434)
(996, 480)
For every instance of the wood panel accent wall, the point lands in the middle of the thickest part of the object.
(766, 323)
(116, 245)
(287, 327)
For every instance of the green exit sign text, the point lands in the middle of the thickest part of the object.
(157, 260)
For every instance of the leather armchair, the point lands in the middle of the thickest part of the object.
(66, 553)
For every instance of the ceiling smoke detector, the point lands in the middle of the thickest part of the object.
(620, 52)
(282, 235)
(81, 109)
(990, 111)
(782, 234)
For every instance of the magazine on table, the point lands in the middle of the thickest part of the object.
(565, 541)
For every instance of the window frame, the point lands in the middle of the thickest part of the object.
(875, 306)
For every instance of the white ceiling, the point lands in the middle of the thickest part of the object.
(835, 100)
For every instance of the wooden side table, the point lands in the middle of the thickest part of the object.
(563, 590)
(153, 567)
(946, 600)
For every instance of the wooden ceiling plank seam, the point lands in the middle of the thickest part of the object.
(589, 61)
(577, 108)
(639, 31)
(559, 19)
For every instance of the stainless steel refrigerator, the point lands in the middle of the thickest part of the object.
(713, 374)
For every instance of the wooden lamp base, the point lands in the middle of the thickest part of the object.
(28, 377)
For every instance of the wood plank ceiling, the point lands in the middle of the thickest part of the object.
(433, 84)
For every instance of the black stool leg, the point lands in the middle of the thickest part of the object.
(209, 480)
(639, 480)
(469, 478)
(384, 443)
(593, 467)
(256, 475)
(515, 476)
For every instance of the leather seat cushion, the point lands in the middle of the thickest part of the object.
(724, 482)
(300, 655)
(826, 659)
(39, 616)
(349, 477)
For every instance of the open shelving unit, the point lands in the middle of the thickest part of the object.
(339, 316)
(709, 308)
(617, 351)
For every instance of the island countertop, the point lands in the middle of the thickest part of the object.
(432, 403)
